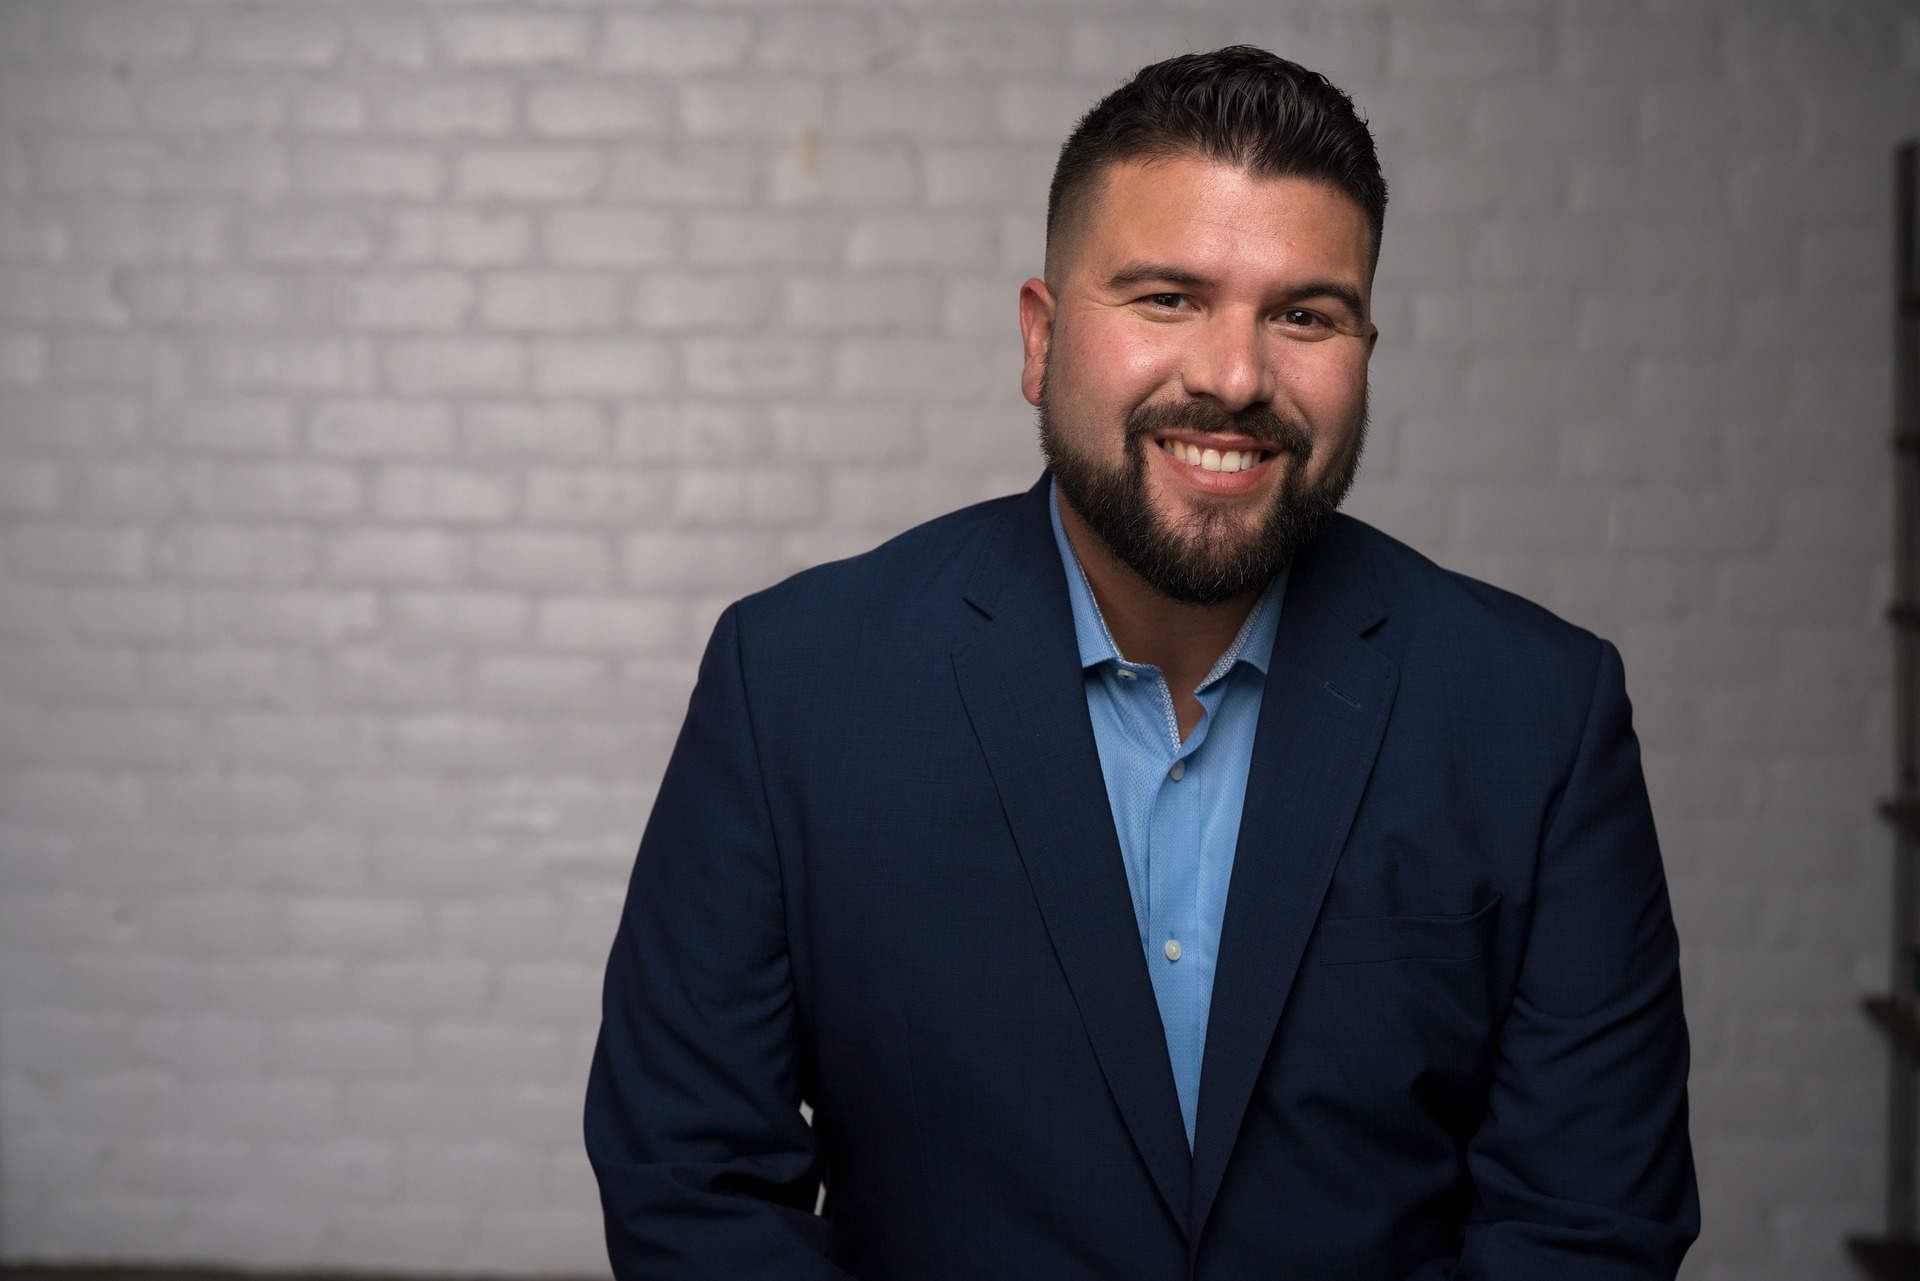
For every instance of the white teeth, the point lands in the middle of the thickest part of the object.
(1214, 460)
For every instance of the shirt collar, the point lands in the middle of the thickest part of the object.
(1253, 645)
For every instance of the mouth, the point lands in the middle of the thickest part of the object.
(1207, 458)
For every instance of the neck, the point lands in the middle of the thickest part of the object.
(1184, 641)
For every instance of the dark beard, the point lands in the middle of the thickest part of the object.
(1202, 563)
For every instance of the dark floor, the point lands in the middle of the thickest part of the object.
(174, 1272)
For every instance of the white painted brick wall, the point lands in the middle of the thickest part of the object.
(392, 394)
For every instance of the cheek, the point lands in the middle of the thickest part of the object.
(1117, 367)
(1328, 386)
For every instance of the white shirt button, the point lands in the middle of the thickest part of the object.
(1178, 772)
(1124, 674)
(1173, 949)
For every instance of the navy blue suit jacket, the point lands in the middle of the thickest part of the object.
(881, 877)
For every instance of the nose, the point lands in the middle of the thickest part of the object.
(1227, 363)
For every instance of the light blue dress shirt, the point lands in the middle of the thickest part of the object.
(1175, 805)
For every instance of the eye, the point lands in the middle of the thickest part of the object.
(1166, 302)
(1299, 317)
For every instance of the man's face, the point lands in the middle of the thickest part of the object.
(1201, 371)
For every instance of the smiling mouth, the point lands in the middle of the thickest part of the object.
(1224, 461)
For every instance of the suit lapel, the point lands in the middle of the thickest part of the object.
(1022, 686)
(1322, 715)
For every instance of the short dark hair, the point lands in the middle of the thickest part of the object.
(1240, 106)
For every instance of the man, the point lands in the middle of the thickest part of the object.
(1156, 875)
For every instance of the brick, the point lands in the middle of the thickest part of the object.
(70, 98)
(272, 490)
(377, 171)
(611, 108)
(997, 45)
(737, 240)
(443, 494)
(544, 682)
(1474, 50)
(953, 241)
(527, 173)
(380, 429)
(688, 302)
(481, 38)
(76, 551)
(240, 554)
(446, 107)
(761, 108)
(123, 360)
(541, 561)
(201, 297)
(862, 176)
(552, 301)
(324, 236)
(202, 103)
(988, 309)
(1682, 521)
(754, 366)
(438, 987)
(873, 106)
(595, 496)
(938, 370)
(536, 430)
(650, 433)
(308, 616)
(738, 496)
(886, 302)
(1044, 111)
(468, 1171)
(1671, 322)
(146, 232)
(823, 43)
(287, 364)
(30, 488)
(599, 367)
(328, 110)
(675, 42)
(23, 360)
(482, 619)
(393, 556)
(400, 300)
(608, 237)
(392, 37)
(127, 33)
(609, 623)
(231, 425)
(465, 364)
(668, 174)
(460, 237)
(1801, 589)
(387, 676)
(294, 36)
(989, 176)
(237, 166)
(1119, 46)
(872, 433)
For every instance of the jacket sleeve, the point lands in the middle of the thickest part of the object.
(1581, 1165)
(706, 1167)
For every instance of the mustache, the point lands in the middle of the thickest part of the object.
(1257, 422)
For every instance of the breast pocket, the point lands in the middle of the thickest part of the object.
(1371, 940)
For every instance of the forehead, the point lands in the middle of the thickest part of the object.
(1199, 213)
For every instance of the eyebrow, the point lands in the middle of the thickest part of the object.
(1154, 273)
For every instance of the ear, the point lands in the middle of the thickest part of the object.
(1036, 335)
